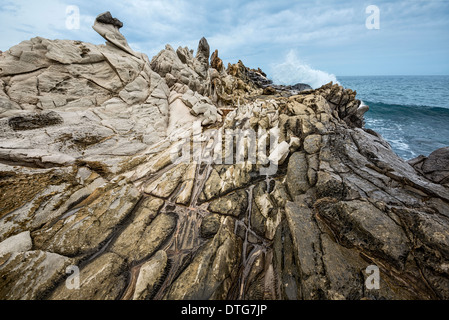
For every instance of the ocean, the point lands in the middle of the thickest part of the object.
(410, 112)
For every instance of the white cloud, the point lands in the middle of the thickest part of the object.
(255, 31)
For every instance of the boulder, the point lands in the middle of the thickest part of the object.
(435, 167)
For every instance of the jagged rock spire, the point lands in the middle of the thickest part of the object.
(203, 52)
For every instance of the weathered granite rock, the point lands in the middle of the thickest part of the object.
(19, 243)
(435, 167)
(29, 275)
(211, 273)
(146, 239)
(85, 229)
(101, 279)
(149, 275)
(202, 55)
(108, 27)
(176, 178)
(233, 204)
(216, 62)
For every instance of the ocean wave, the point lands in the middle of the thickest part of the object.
(411, 130)
(293, 70)
(406, 107)
(408, 91)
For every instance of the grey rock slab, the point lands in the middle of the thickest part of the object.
(102, 279)
(297, 181)
(19, 243)
(149, 275)
(84, 231)
(28, 275)
(209, 276)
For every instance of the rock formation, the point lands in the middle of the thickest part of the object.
(304, 201)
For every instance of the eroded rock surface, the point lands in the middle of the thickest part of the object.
(178, 178)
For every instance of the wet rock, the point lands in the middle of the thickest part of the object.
(301, 87)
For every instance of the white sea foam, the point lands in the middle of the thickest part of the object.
(293, 70)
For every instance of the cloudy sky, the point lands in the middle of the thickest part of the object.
(412, 39)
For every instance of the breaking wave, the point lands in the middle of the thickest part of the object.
(293, 71)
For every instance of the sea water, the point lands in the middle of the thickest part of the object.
(410, 112)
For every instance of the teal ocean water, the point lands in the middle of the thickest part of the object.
(410, 112)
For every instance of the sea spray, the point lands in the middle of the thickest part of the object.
(293, 70)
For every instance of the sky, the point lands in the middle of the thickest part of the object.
(329, 37)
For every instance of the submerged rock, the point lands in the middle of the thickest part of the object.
(178, 178)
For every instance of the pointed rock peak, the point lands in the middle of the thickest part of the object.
(107, 18)
(203, 43)
(203, 51)
(216, 62)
